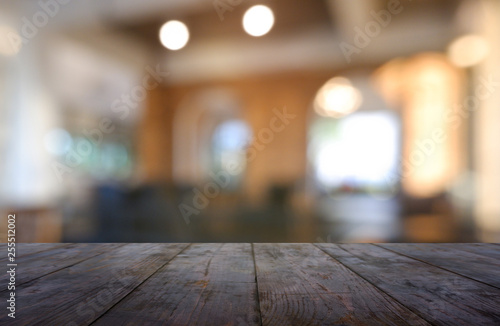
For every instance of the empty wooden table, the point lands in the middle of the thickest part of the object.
(254, 284)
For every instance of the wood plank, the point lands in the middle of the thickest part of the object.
(301, 285)
(208, 284)
(442, 297)
(26, 249)
(79, 294)
(45, 262)
(478, 267)
(485, 249)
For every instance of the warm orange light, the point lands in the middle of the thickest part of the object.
(337, 98)
(468, 50)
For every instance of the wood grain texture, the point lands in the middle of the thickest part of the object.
(490, 250)
(58, 257)
(441, 297)
(301, 285)
(259, 284)
(26, 249)
(208, 284)
(478, 267)
(79, 294)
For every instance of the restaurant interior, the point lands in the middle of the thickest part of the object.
(250, 121)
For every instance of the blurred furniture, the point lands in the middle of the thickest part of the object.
(148, 213)
(429, 219)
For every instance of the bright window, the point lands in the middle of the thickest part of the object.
(359, 151)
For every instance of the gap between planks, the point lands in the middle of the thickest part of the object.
(416, 312)
(436, 266)
(256, 284)
(60, 269)
(132, 290)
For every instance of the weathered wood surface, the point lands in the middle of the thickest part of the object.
(478, 267)
(26, 249)
(80, 293)
(49, 261)
(489, 250)
(300, 285)
(255, 284)
(207, 283)
(439, 296)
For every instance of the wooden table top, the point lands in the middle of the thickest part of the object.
(255, 284)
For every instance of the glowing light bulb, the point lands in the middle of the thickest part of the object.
(174, 35)
(337, 98)
(258, 20)
(468, 50)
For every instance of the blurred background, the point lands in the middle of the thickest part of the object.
(241, 120)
